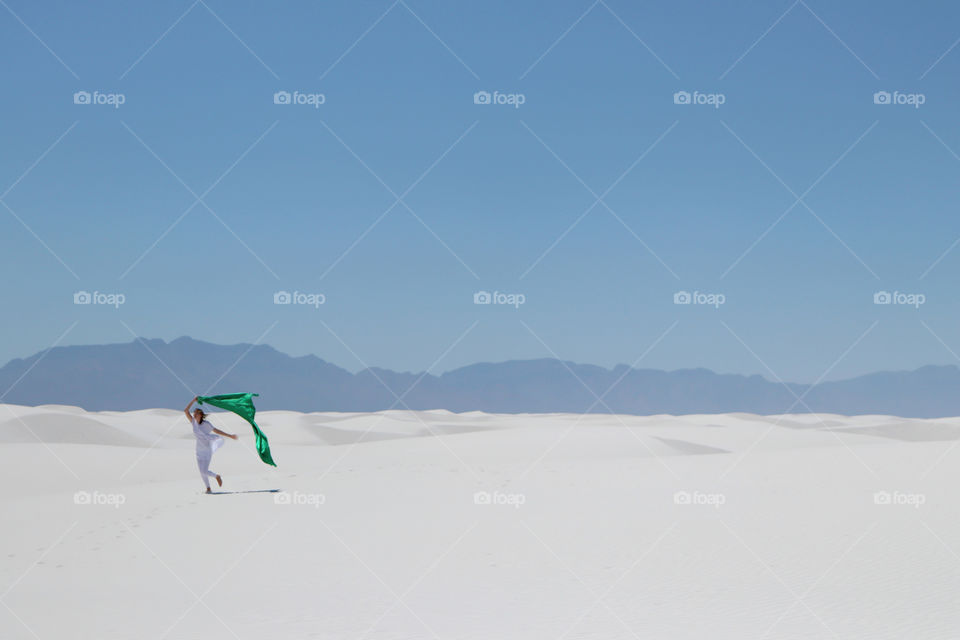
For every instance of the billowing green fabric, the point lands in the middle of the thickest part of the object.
(242, 405)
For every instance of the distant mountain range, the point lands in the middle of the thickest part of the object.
(153, 373)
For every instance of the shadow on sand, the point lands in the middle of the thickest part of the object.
(227, 493)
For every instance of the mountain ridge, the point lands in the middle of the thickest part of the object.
(153, 373)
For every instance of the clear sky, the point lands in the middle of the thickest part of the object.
(399, 197)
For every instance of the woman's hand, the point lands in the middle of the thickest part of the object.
(234, 437)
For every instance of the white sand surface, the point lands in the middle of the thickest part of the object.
(437, 525)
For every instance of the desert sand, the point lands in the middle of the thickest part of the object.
(431, 524)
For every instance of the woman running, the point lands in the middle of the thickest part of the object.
(208, 441)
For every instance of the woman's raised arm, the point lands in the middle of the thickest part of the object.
(186, 411)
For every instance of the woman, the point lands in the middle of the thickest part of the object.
(208, 441)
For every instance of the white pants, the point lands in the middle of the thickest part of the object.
(204, 455)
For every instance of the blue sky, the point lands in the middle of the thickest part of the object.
(797, 199)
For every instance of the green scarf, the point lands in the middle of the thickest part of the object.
(242, 405)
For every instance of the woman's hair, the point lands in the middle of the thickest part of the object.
(203, 415)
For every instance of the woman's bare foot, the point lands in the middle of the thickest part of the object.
(208, 490)
(219, 481)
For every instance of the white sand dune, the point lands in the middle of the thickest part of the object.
(431, 524)
(64, 428)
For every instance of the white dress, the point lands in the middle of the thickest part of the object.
(207, 443)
